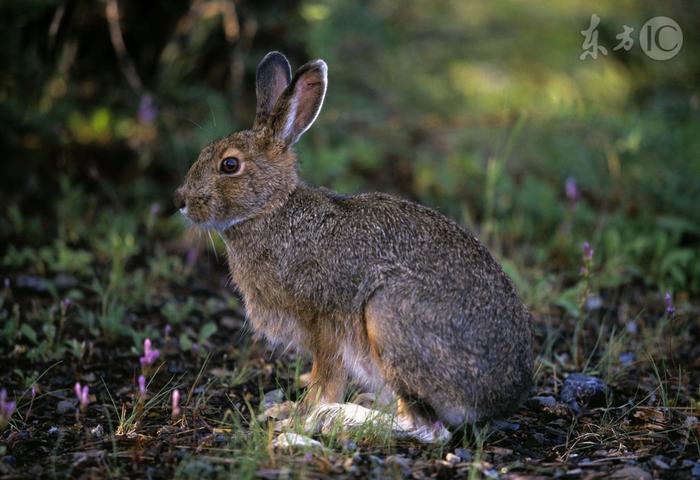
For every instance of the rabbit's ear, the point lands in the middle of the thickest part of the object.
(299, 104)
(271, 78)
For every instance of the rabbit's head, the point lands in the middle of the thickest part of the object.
(250, 172)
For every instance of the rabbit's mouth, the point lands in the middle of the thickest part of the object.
(217, 224)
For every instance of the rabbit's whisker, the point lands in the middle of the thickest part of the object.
(213, 247)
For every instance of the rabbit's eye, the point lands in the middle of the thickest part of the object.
(230, 165)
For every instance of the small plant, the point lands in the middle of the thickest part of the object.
(150, 355)
(668, 302)
(142, 388)
(175, 404)
(572, 191)
(7, 408)
(175, 313)
(83, 395)
(585, 292)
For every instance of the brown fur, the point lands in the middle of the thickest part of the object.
(386, 291)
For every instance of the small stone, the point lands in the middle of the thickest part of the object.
(631, 472)
(53, 430)
(579, 387)
(348, 464)
(294, 440)
(279, 411)
(627, 359)
(695, 472)
(404, 463)
(543, 402)
(97, 431)
(490, 473)
(452, 459)
(65, 406)
(464, 455)
(506, 426)
(660, 462)
(273, 397)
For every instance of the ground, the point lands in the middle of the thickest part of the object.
(632, 413)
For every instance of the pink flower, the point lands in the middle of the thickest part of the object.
(6, 408)
(587, 251)
(149, 354)
(572, 192)
(147, 109)
(83, 395)
(668, 300)
(176, 403)
(142, 386)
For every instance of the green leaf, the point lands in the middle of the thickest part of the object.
(28, 332)
(185, 342)
(207, 331)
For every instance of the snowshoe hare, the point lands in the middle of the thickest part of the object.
(380, 290)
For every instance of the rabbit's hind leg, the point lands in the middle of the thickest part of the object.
(327, 418)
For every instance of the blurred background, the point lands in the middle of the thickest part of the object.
(483, 110)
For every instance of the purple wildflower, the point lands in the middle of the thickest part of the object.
(149, 354)
(572, 192)
(167, 329)
(668, 300)
(192, 256)
(6, 408)
(83, 395)
(147, 109)
(587, 252)
(155, 209)
(176, 403)
(142, 386)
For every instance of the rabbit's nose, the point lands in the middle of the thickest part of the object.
(179, 199)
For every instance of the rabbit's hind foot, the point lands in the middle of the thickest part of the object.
(327, 418)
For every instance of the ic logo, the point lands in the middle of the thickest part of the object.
(661, 38)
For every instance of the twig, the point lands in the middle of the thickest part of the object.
(115, 34)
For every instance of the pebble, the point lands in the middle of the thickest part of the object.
(97, 431)
(631, 472)
(65, 406)
(627, 359)
(464, 454)
(273, 397)
(695, 472)
(579, 387)
(543, 402)
(294, 440)
(404, 463)
(660, 462)
(452, 459)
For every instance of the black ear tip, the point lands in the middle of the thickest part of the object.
(275, 59)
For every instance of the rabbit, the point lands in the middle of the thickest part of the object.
(379, 290)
